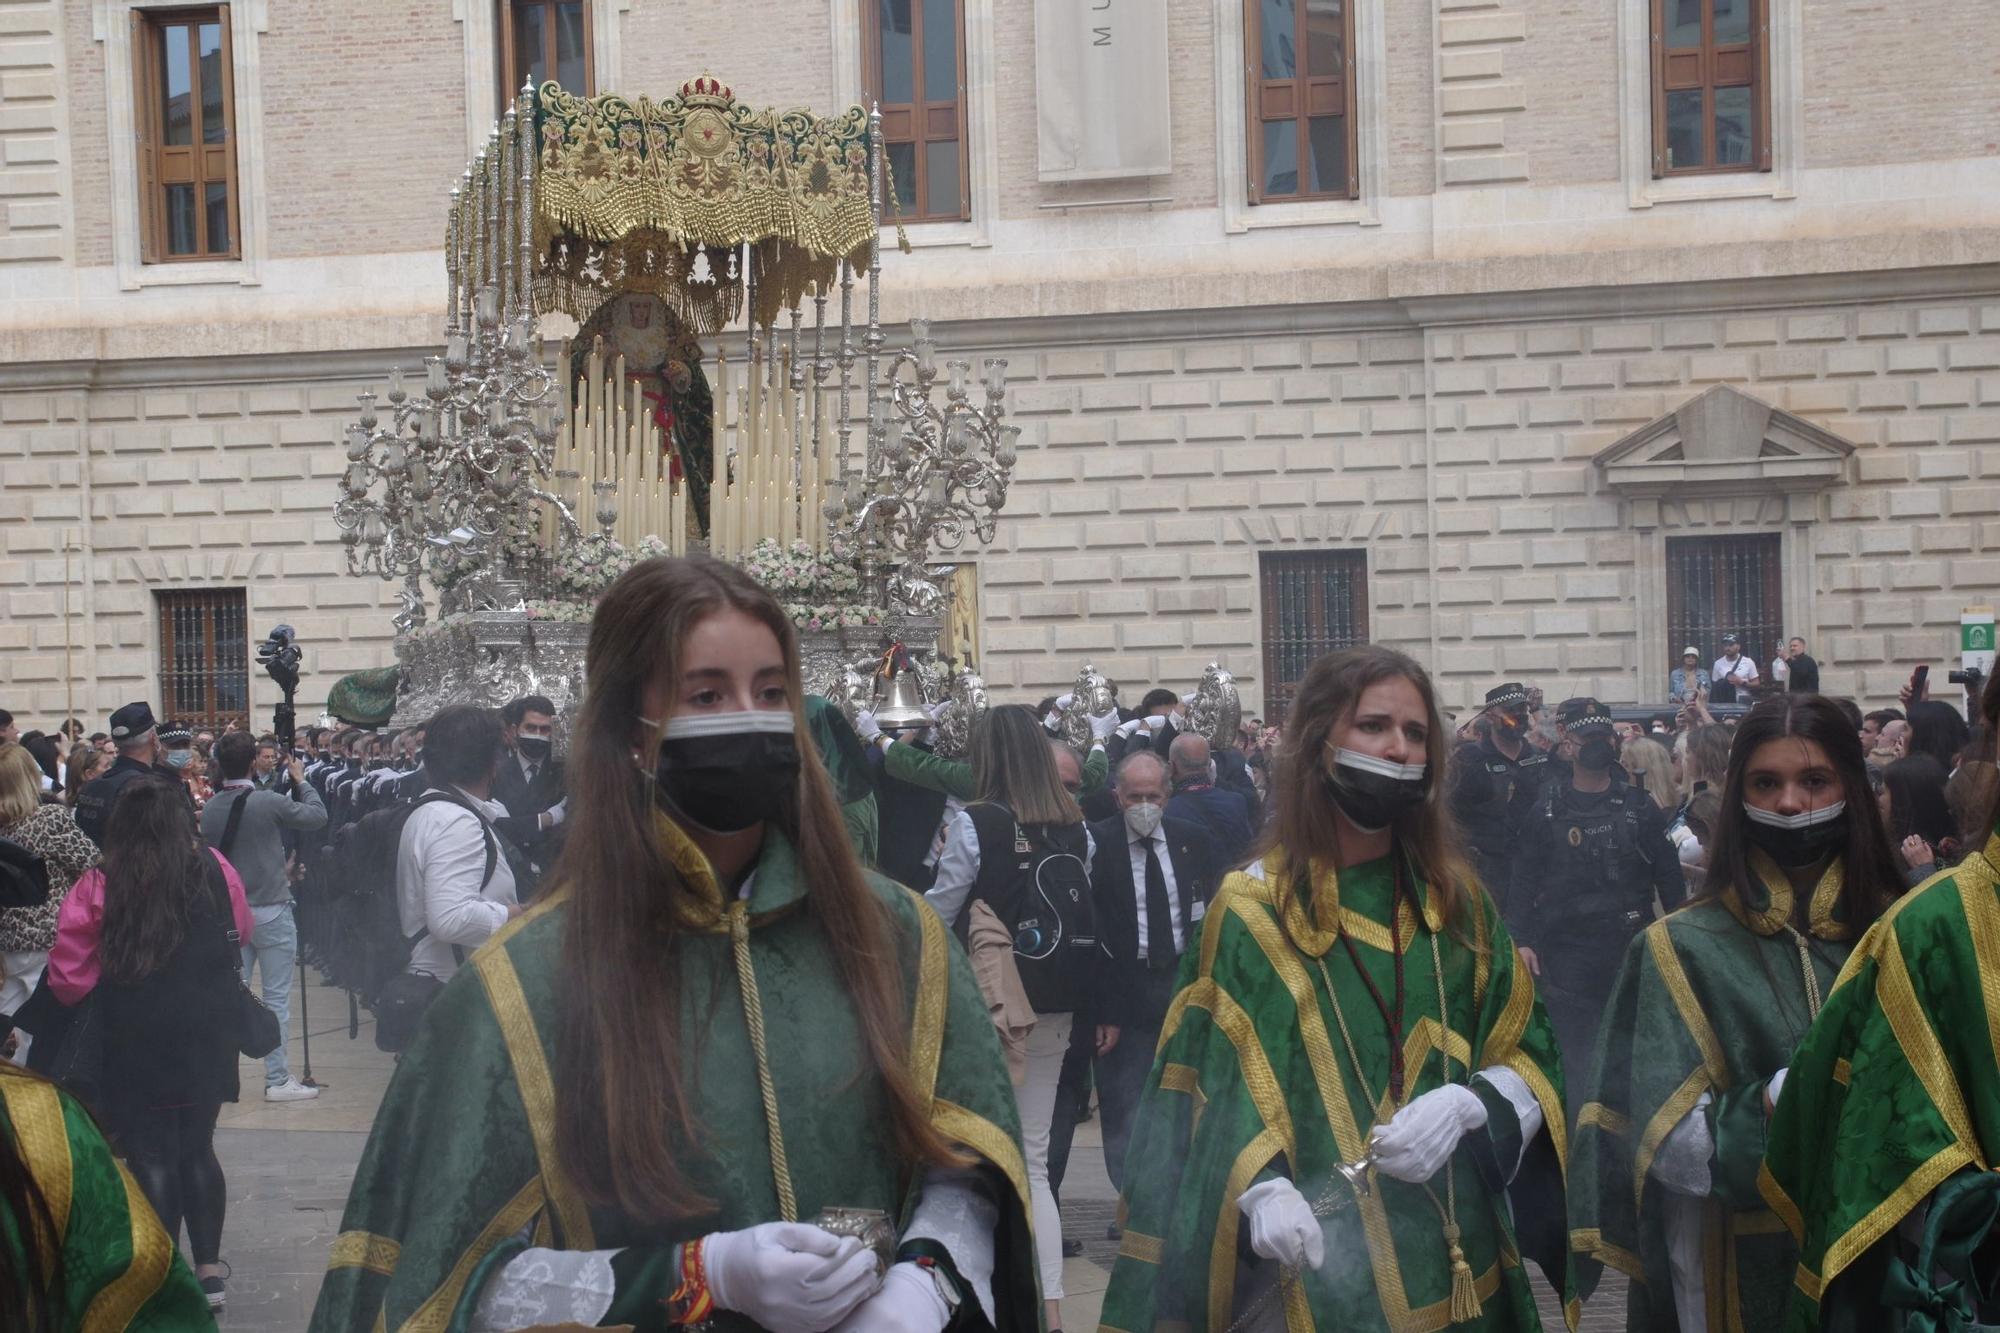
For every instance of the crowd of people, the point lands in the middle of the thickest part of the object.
(783, 1023)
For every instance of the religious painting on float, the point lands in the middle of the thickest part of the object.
(664, 359)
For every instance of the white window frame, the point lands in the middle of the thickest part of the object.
(483, 108)
(1786, 21)
(982, 123)
(111, 25)
(1232, 147)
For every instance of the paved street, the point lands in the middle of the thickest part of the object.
(289, 1167)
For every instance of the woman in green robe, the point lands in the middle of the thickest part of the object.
(1354, 1120)
(635, 1104)
(1704, 1018)
(80, 1248)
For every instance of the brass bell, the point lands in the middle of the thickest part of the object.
(901, 703)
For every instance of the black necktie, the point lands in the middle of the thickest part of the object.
(532, 770)
(1159, 913)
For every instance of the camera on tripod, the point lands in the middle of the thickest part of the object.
(279, 656)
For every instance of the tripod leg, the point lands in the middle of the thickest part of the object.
(305, 1029)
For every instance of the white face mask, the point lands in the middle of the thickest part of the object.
(1142, 819)
(1368, 763)
(1826, 814)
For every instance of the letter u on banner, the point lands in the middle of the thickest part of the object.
(1101, 89)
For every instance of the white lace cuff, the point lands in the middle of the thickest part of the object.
(957, 1212)
(1683, 1163)
(538, 1287)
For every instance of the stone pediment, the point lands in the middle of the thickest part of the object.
(1724, 442)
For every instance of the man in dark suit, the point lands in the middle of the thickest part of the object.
(1153, 877)
(1199, 800)
(530, 780)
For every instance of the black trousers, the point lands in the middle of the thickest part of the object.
(171, 1153)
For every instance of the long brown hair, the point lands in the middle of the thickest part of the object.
(153, 874)
(624, 1115)
(1302, 822)
(1012, 765)
(1871, 878)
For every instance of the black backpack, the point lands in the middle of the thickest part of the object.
(24, 876)
(366, 948)
(1035, 880)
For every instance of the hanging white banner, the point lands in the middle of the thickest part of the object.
(1101, 86)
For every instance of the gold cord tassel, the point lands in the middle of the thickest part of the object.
(1464, 1296)
(753, 1017)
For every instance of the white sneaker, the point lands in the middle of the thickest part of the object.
(291, 1090)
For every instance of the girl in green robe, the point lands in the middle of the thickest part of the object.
(636, 1103)
(1355, 1003)
(1704, 1018)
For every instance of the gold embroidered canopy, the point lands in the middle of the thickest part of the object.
(633, 195)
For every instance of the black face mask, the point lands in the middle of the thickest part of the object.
(1801, 840)
(1373, 793)
(1596, 754)
(1510, 723)
(534, 749)
(726, 772)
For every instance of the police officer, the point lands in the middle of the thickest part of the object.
(1495, 783)
(1593, 855)
(137, 737)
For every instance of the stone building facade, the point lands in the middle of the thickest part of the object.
(1514, 385)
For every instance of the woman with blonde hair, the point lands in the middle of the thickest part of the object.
(85, 763)
(712, 1058)
(49, 831)
(1356, 1078)
(1648, 764)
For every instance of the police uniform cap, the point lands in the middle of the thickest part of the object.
(176, 733)
(1513, 692)
(1582, 713)
(132, 720)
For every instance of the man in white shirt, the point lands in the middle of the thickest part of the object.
(1732, 674)
(455, 885)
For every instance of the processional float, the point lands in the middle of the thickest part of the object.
(729, 389)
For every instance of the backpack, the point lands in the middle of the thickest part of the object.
(1035, 880)
(366, 948)
(24, 876)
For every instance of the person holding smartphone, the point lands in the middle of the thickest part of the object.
(1733, 672)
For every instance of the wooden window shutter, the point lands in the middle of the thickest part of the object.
(1658, 48)
(1253, 124)
(145, 124)
(1760, 103)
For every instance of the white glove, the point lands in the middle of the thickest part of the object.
(1775, 1088)
(789, 1277)
(908, 1302)
(1156, 723)
(937, 710)
(867, 728)
(1187, 700)
(1130, 729)
(1052, 721)
(1063, 701)
(1103, 724)
(1420, 1138)
(1282, 1225)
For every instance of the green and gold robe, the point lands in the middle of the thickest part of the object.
(121, 1270)
(462, 1169)
(1711, 999)
(1896, 1089)
(1253, 1078)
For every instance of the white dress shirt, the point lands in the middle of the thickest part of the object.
(438, 869)
(1741, 673)
(1137, 848)
(958, 866)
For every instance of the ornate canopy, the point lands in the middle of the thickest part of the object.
(633, 195)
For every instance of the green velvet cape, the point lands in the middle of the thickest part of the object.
(1896, 1089)
(1710, 999)
(120, 1268)
(462, 1166)
(1253, 1078)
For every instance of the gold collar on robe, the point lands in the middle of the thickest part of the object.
(779, 887)
(1315, 929)
(1770, 900)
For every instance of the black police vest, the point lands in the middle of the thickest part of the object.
(1597, 880)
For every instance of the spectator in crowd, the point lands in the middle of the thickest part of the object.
(9, 732)
(1688, 681)
(1801, 671)
(1196, 798)
(1937, 730)
(49, 831)
(454, 882)
(43, 751)
(530, 780)
(204, 742)
(71, 730)
(1158, 720)
(1001, 851)
(247, 825)
(1732, 673)
(1150, 904)
(267, 769)
(104, 744)
(1916, 813)
(85, 763)
(136, 736)
(1649, 766)
(147, 934)
(59, 1179)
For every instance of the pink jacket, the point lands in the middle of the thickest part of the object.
(73, 966)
